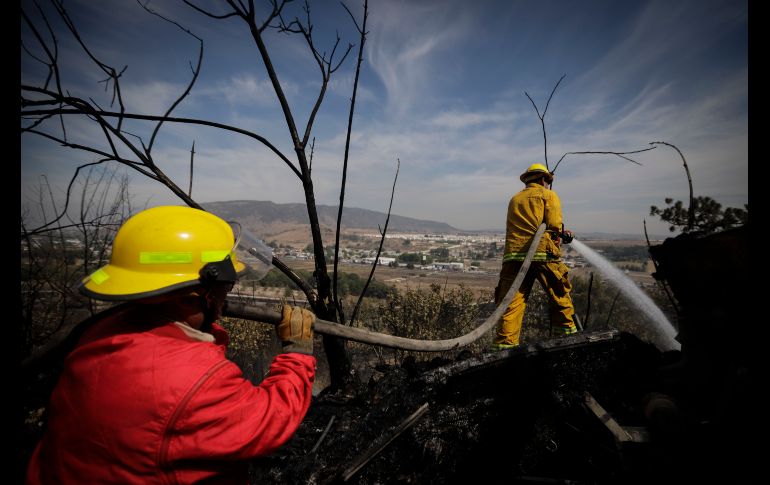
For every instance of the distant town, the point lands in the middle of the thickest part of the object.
(479, 254)
(434, 252)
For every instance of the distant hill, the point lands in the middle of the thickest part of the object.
(604, 236)
(270, 217)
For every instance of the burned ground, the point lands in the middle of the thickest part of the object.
(591, 408)
(516, 416)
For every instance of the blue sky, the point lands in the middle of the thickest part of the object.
(442, 89)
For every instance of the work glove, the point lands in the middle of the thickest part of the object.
(567, 236)
(296, 330)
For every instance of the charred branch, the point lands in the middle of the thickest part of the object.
(366, 457)
(542, 117)
(360, 60)
(691, 208)
(619, 154)
(663, 282)
(323, 435)
(195, 71)
(77, 109)
(379, 249)
(192, 161)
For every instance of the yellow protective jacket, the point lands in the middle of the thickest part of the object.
(526, 211)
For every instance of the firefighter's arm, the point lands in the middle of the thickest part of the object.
(229, 418)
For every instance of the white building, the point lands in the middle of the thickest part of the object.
(380, 261)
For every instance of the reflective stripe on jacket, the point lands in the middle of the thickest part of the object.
(520, 256)
(142, 404)
(526, 211)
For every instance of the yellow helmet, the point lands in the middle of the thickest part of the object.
(535, 171)
(163, 249)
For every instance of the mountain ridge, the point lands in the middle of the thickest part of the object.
(267, 217)
(267, 214)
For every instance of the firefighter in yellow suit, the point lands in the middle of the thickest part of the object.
(529, 208)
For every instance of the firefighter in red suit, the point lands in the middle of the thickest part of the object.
(147, 395)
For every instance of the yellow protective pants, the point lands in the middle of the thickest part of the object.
(552, 276)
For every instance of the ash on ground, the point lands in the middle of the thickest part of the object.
(516, 416)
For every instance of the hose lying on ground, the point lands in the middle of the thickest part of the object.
(262, 313)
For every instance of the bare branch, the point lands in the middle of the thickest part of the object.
(196, 70)
(619, 154)
(256, 34)
(551, 96)
(53, 66)
(77, 110)
(248, 13)
(353, 17)
(310, 162)
(58, 217)
(192, 157)
(662, 282)
(307, 290)
(36, 122)
(691, 208)
(345, 158)
(324, 65)
(542, 117)
(108, 156)
(209, 14)
(612, 307)
(110, 71)
(33, 56)
(379, 250)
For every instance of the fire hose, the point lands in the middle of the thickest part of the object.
(262, 313)
(69, 334)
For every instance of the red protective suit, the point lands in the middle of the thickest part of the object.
(161, 404)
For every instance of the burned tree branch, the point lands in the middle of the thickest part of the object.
(80, 111)
(379, 249)
(192, 159)
(662, 282)
(323, 435)
(619, 154)
(542, 117)
(110, 71)
(588, 304)
(691, 208)
(209, 14)
(196, 70)
(371, 453)
(362, 32)
(612, 307)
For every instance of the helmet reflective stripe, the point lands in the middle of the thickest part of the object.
(164, 257)
(214, 256)
(168, 257)
(99, 276)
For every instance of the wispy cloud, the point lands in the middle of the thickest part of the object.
(404, 38)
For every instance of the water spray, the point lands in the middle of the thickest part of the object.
(664, 331)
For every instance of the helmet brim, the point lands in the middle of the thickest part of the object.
(114, 283)
(527, 177)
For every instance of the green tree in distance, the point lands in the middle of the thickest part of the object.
(709, 217)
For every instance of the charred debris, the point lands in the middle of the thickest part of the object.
(590, 408)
